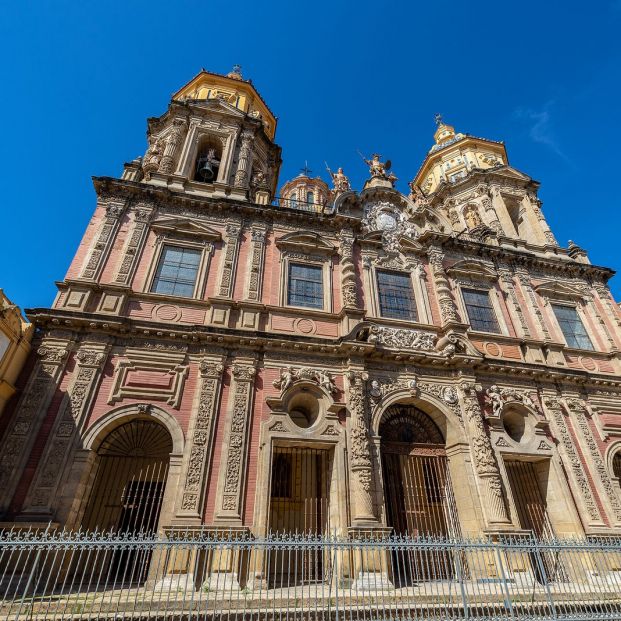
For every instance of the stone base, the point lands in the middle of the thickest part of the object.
(372, 581)
(223, 581)
(176, 582)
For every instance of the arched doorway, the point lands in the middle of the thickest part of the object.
(418, 493)
(129, 476)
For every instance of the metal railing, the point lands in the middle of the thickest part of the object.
(229, 575)
(289, 203)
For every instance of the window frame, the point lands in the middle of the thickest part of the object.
(206, 250)
(581, 319)
(406, 276)
(492, 296)
(311, 266)
(417, 276)
(325, 264)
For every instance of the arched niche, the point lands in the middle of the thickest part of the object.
(131, 470)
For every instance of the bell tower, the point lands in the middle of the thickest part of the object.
(215, 139)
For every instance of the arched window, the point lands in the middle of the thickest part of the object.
(208, 163)
(310, 197)
(293, 200)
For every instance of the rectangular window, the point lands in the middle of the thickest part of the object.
(396, 297)
(177, 271)
(572, 327)
(305, 285)
(480, 311)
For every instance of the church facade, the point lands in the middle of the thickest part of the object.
(225, 355)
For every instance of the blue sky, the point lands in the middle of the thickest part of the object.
(80, 79)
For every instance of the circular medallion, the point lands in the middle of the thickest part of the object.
(588, 363)
(386, 221)
(492, 349)
(305, 326)
(167, 312)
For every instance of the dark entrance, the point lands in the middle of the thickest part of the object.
(526, 479)
(418, 493)
(299, 504)
(129, 477)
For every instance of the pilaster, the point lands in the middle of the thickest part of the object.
(70, 422)
(200, 440)
(484, 460)
(231, 484)
(24, 427)
(448, 308)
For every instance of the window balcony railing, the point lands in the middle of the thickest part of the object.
(290, 203)
(223, 576)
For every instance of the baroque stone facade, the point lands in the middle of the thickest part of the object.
(355, 324)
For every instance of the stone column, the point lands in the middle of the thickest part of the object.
(361, 480)
(348, 273)
(244, 160)
(173, 139)
(231, 483)
(30, 412)
(484, 460)
(200, 441)
(70, 422)
(603, 291)
(491, 215)
(104, 241)
(569, 454)
(448, 308)
(581, 414)
(142, 215)
(535, 204)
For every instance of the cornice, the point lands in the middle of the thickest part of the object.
(259, 342)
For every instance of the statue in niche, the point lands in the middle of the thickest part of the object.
(472, 217)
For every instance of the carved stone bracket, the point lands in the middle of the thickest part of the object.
(291, 375)
(499, 397)
(200, 445)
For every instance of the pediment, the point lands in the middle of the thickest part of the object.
(186, 227)
(555, 289)
(472, 270)
(510, 173)
(306, 241)
(219, 105)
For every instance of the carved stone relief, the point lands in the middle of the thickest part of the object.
(30, 412)
(560, 430)
(580, 412)
(200, 444)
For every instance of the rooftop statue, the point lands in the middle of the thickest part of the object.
(340, 181)
(379, 169)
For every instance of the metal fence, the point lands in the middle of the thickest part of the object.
(231, 576)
